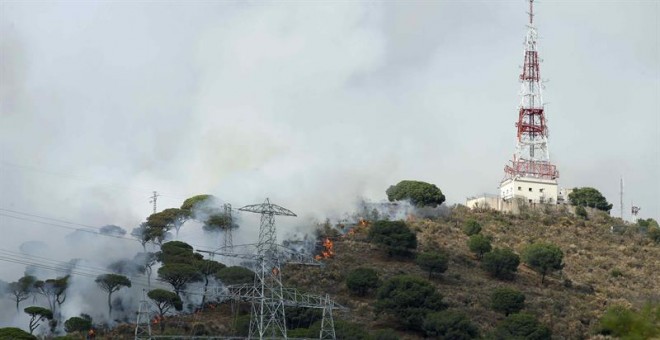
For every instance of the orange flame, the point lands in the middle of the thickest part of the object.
(158, 319)
(327, 250)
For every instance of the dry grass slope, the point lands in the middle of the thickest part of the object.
(601, 269)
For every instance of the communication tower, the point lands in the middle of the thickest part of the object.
(530, 175)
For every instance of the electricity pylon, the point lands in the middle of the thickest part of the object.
(267, 295)
(143, 322)
(268, 319)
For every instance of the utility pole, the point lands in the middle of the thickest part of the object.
(621, 195)
(154, 199)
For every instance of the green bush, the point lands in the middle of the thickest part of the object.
(450, 325)
(343, 330)
(395, 236)
(433, 262)
(628, 325)
(235, 275)
(419, 193)
(479, 244)
(384, 334)
(589, 197)
(521, 326)
(501, 263)
(13, 333)
(648, 223)
(409, 298)
(77, 324)
(471, 227)
(543, 257)
(654, 234)
(361, 280)
(300, 317)
(349, 330)
(580, 211)
(242, 325)
(507, 300)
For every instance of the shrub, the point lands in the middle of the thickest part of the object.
(521, 326)
(471, 227)
(479, 244)
(348, 330)
(361, 280)
(507, 300)
(343, 330)
(384, 334)
(241, 325)
(580, 211)
(395, 236)
(616, 272)
(13, 333)
(235, 275)
(408, 298)
(501, 263)
(299, 317)
(433, 262)
(78, 324)
(449, 325)
(654, 234)
(648, 223)
(543, 257)
(627, 324)
(419, 193)
(589, 197)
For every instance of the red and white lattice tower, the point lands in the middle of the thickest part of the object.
(530, 175)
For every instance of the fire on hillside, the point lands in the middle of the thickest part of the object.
(327, 251)
(158, 319)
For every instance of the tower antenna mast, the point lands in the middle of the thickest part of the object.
(154, 199)
(621, 196)
(530, 176)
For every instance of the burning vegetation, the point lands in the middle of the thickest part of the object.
(327, 251)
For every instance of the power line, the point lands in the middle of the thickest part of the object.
(89, 180)
(65, 267)
(95, 231)
(90, 229)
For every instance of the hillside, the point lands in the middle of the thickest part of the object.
(570, 303)
(602, 269)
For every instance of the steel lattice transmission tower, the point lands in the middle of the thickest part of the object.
(143, 322)
(267, 320)
(531, 161)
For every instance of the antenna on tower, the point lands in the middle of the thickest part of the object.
(531, 12)
(634, 211)
(154, 200)
(621, 195)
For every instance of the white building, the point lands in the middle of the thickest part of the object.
(531, 190)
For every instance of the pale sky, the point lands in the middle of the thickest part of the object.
(311, 104)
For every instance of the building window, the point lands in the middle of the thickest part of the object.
(530, 189)
(519, 188)
(541, 190)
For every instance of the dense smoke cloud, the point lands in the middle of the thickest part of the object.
(315, 106)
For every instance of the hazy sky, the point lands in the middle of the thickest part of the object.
(312, 105)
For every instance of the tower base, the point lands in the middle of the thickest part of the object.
(530, 190)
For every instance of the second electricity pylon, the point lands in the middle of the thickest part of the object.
(143, 322)
(268, 319)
